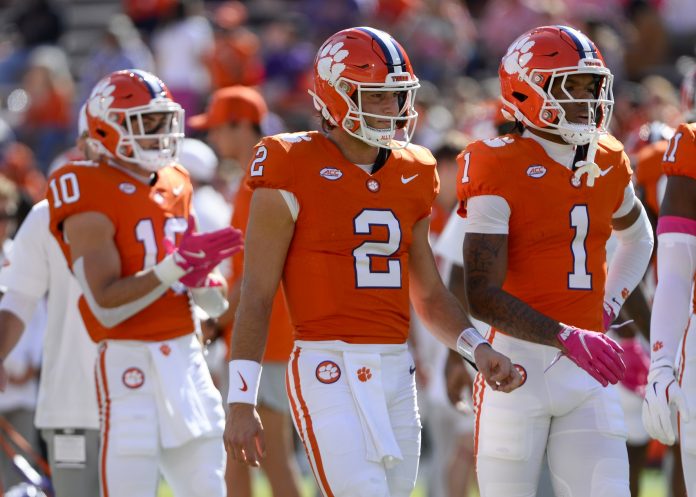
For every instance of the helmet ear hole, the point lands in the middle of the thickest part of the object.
(521, 97)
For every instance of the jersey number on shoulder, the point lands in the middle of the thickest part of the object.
(365, 275)
(671, 151)
(256, 168)
(65, 189)
(579, 279)
(145, 234)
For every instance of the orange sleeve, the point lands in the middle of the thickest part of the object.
(73, 189)
(478, 174)
(680, 157)
(269, 167)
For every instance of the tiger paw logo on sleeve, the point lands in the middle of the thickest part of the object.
(329, 65)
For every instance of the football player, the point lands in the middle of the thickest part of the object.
(538, 210)
(233, 122)
(672, 315)
(342, 215)
(125, 227)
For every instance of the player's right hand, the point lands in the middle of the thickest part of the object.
(662, 392)
(244, 438)
(594, 352)
(497, 369)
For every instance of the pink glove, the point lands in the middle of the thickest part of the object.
(637, 363)
(608, 316)
(199, 253)
(594, 352)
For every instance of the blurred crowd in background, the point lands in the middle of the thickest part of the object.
(49, 62)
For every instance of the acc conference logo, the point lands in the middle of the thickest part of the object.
(331, 173)
(536, 171)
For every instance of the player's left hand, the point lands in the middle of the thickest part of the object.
(662, 392)
(497, 369)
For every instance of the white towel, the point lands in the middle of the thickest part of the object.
(381, 445)
(185, 404)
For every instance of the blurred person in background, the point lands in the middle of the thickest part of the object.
(32, 23)
(233, 123)
(47, 120)
(182, 39)
(236, 56)
(119, 47)
(66, 411)
(19, 369)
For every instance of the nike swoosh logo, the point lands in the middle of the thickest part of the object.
(603, 172)
(178, 189)
(198, 255)
(409, 179)
(244, 386)
(411, 369)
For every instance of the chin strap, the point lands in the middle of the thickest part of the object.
(588, 165)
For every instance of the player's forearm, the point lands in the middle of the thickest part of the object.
(485, 267)
(676, 264)
(443, 315)
(11, 328)
(251, 328)
(512, 316)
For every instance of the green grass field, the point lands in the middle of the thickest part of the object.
(653, 485)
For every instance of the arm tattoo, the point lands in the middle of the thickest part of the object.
(485, 262)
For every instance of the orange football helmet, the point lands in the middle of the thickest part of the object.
(116, 110)
(688, 95)
(538, 59)
(358, 60)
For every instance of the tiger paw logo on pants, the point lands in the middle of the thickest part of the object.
(364, 374)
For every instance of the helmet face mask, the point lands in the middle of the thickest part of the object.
(535, 86)
(356, 62)
(132, 118)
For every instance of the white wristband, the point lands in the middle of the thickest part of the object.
(168, 271)
(467, 342)
(244, 382)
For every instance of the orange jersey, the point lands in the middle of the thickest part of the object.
(557, 231)
(649, 171)
(141, 215)
(279, 344)
(346, 271)
(680, 158)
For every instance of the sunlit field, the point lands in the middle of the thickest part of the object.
(653, 485)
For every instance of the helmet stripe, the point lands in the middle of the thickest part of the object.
(151, 82)
(392, 52)
(583, 44)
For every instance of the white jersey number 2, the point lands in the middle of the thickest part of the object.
(579, 279)
(365, 276)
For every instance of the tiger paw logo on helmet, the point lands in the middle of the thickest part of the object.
(329, 65)
(101, 99)
(518, 55)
